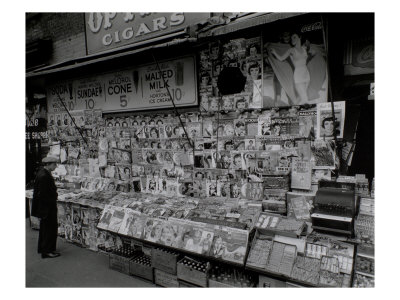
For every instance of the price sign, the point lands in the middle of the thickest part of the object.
(66, 93)
(89, 93)
(146, 87)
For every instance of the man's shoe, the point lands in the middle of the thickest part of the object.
(50, 255)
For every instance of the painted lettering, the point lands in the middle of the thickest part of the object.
(95, 25)
(143, 29)
(177, 19)
(159, 23)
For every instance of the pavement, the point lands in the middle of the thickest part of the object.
(76, 267)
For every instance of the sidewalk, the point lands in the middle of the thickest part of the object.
(76, 267)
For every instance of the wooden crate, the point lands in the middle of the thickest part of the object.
(119, 263)
(267, 282)
(164, 260)
(217, 284)
(141, 270)
(184, 284)
(192, 275)
(165, 279)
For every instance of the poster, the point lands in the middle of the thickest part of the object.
(145, 87)
(295, 69)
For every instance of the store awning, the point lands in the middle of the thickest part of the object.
(247, 21)
(96, 58)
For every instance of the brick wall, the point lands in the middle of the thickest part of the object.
(66, 31)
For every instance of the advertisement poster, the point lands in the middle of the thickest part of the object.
(327, 125)
(295, 69)
(64, 91)
(89, 93)
(146, 87)
(140, 88)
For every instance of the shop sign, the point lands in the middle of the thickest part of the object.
(111, 30)
(141, 88)
(359, 57)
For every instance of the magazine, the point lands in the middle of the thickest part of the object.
(251, 126)
(116, 219)
(229, 244)
(284, 126)
(105, 217)
(153, 230)
(300, 208)
(327, 125)
(307, 122)
(323, 154)
(301, 174)
(264, 125)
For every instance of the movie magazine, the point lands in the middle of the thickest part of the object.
(327, 125)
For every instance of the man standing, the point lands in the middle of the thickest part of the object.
(44, 206)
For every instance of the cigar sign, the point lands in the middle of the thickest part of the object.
(111, 30)
(143, 88)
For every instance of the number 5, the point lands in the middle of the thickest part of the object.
(123, 101)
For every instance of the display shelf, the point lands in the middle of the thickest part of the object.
(183, 251)
(279, 276)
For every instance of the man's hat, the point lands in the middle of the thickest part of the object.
(50, 159)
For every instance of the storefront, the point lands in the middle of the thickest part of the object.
(226, 138)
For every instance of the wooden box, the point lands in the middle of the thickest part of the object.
(267, 282)
(217, 284)
(164, 260)
(184, 284)
(165, 279)
(141, 269)
(196, 273)
(119, 263)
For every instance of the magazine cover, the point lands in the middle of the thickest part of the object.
(230, 244)
(240, 127)
(194, 129)
(264, 125)
(124, 172)
(128, 226)
(241, 101)
(300, 208)
(85, 236)
(116, 219)
(301, 174)
(307, 122)
(223, 159)
(228, 103)
(209, 161)
(251, 126)
(239, 143)
(320, 174)
(327, 125)
(153, 230)
(211, 188)
(225, 143)
(237, 162)
(309, 199)
(323, 155)
(284, 126)
(223, 188)
(105, 217)
(295, 69)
